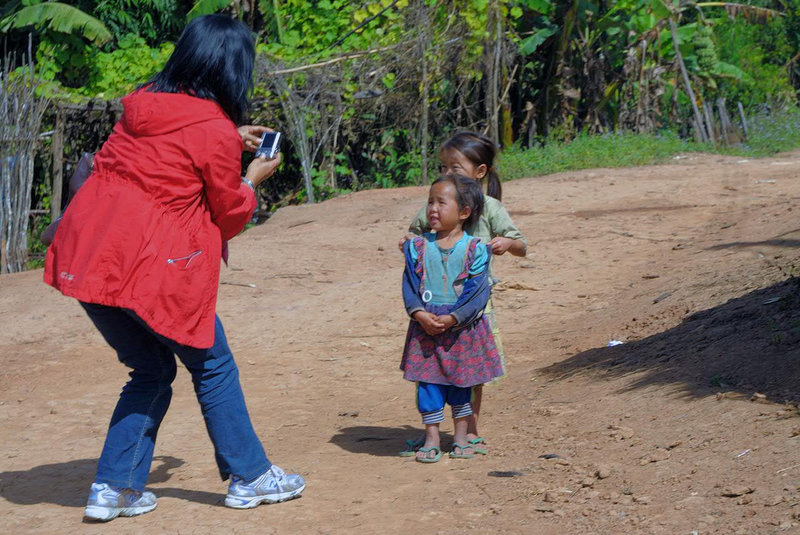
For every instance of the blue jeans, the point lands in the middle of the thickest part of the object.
(128, 450)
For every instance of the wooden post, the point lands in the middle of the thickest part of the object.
(699, 131)
(506, 132)
(58, 165)
(724, 121)
(742, 119)
(709, 122)
(332, 170)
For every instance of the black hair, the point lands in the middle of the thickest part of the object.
(479, 150)
(213, 59)
(468, 194)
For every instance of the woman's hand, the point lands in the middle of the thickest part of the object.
(251, 135)
(429, 322)
(261, 168)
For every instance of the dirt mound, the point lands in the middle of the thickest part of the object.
(688, 426)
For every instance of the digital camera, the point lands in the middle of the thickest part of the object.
(270, 145)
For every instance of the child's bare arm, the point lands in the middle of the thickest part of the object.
(501, 245)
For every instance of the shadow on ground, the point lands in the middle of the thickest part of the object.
(67, 483)
(379, 441)
(749, 344)
(784, 243)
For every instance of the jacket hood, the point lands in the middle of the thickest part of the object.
(150, 114)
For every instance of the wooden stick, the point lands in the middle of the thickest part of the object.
(58, 166)
(346, 57)
(335, 60)
(789, 468)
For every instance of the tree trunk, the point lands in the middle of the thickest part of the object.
(492, 76)
(507, 133)
(424, 140)
(697, 117)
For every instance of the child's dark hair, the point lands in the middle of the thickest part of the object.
(480, 150)
(213, 59)
(468, 193)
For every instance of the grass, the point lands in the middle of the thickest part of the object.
(591, 151)
(769, 134)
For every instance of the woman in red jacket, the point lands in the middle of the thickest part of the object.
(140, 246)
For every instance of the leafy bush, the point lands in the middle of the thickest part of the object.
(114, 74)
(746, 46)
(85, 70)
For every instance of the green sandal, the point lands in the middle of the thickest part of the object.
(476, 446)
(412, 446)
(435, 459)
(462, 455)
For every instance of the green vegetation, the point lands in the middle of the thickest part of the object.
(365, 91)
(591, 151)
(769, 134)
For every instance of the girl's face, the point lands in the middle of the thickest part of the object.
(453, 161)
(443, 211)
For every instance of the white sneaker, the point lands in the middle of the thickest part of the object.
(106, 502)
(272, 486)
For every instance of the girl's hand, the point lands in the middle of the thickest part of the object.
(501, 246)
(448, 321)
(429, 322)
(251, 135)
(407, 237)
(261, 168)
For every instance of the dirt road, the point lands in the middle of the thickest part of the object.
(685, 427)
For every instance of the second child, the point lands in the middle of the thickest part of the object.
(449, 347)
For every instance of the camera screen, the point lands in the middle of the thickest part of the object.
(268, 140)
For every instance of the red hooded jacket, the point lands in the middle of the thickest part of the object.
(145, 231)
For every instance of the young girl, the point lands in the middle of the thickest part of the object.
(472, 155)
(449, 347)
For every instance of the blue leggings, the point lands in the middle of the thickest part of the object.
(431, 399)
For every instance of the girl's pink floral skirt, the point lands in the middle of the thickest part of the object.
(466, 357)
